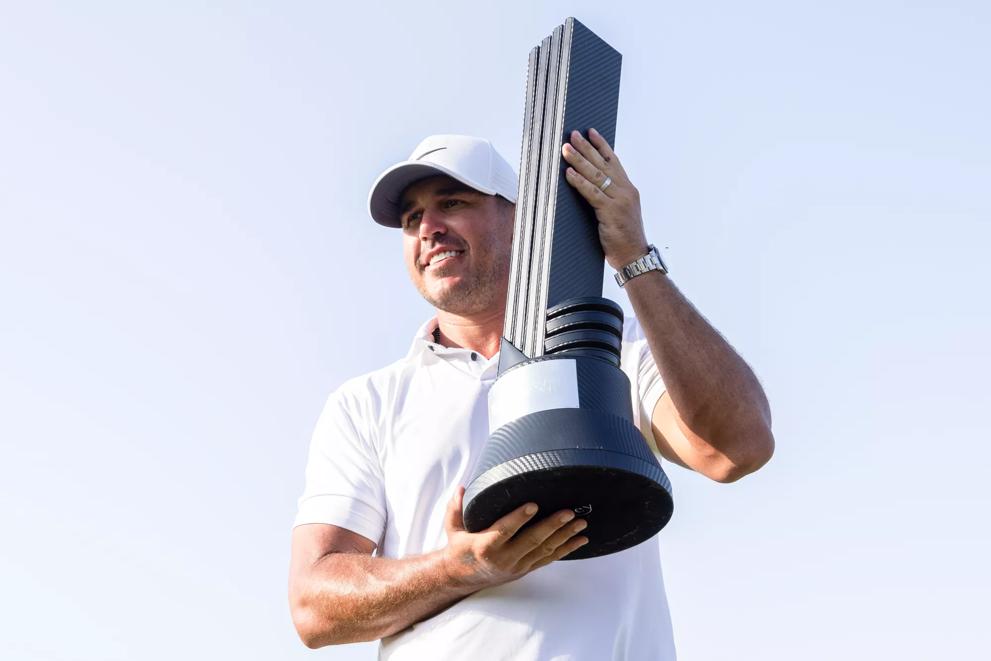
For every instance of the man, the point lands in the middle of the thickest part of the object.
(379, 548)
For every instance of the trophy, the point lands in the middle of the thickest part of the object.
(560, 411)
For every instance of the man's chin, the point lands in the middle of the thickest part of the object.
(441, 289)
(456, 297)
(447, 297)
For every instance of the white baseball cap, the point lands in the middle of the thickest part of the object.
(472, 161)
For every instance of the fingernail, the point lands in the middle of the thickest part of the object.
(580, 525)
(583, 542)
(567, 516)
(530, 509)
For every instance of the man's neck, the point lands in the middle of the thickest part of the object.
(479, 333)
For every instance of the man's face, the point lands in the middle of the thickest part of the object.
(456, 244)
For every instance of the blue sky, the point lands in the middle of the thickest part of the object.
(188, 269)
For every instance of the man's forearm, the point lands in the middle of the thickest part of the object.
(352, 597)
(715, 392)
(716, 395)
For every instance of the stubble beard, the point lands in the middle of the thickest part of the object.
(476, 293)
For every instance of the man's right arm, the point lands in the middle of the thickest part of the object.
(339, 593)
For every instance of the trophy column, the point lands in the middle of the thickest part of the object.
(560, 412)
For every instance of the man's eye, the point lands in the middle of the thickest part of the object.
(450, 203)
(411, 219)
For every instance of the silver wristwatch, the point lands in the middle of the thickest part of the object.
(650, 262)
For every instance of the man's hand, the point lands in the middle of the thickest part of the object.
(617, 207)
(498, 555)
(713, 416)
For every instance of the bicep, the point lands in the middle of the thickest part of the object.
(312, 542)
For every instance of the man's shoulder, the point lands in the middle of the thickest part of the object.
(377, 386)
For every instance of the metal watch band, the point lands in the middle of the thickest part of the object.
(650, 262)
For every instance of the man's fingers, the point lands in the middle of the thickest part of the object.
(550, 546)
(453, 518)
(509, 525)
(570, 546)
(540, 533)
(588, 150)
(602, 147)
(589, 191)
(583, 166)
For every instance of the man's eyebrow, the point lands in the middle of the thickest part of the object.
(455, 189)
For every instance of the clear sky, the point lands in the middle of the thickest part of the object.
(187, 269)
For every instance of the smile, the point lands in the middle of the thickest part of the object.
(444, 256)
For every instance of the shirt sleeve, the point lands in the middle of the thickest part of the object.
(344, 485)
(646, 385)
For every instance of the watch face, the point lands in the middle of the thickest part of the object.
(655, 257)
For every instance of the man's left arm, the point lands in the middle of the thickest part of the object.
(713, 416)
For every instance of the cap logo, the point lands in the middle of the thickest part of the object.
(427, 153)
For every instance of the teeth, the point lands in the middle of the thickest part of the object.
(443, 255)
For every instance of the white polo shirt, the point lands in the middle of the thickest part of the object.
(388, 451)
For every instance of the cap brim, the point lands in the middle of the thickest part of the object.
(383, 199)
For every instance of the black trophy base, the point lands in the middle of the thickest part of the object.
(624, 499)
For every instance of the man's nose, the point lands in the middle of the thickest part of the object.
(431, 224)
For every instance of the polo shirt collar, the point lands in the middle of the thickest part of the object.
(424, 345)
(424, 339)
